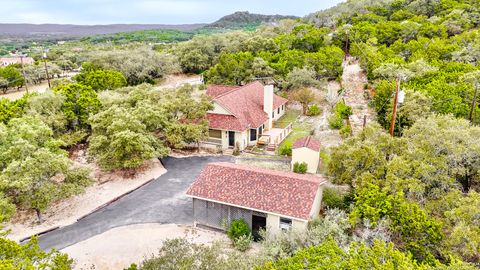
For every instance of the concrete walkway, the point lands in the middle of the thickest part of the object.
(161, 201)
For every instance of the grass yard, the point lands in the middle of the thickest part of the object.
(289, 117)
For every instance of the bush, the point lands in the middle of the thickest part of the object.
(238, 228)
(313, 110)
(333, 198)
(343, 110)
(236, 149)
(335, 121)
(300, 167)
(285, 150)
(346, 131)
(243, 242)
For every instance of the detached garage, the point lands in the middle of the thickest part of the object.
(267, 199)
(307, 149)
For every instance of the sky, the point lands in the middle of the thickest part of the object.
(147, 11)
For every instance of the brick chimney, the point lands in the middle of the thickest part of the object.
(268, 104)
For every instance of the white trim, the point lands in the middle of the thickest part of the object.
(248, 208)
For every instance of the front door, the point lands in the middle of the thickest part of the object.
(231, 138)
(258, 223)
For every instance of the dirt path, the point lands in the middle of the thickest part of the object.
(34, 88)
(354, 79)
(174, 81)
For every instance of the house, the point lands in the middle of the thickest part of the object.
(244, 115)
(307, 149)
(5, 61)
(268, 199)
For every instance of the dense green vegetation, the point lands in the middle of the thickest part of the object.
(413, 199)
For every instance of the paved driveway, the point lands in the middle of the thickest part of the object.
(161, 201)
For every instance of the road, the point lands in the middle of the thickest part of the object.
(161, 201)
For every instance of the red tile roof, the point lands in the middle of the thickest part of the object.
(245, 103)
(216, 90)
(308, 142)
(283, 193)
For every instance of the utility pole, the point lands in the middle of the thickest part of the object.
(46, 68)
(395, 104)
(473, 102)
(23, 72)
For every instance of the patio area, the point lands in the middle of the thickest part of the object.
(273, 137)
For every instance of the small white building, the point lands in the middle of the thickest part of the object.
(307, 149)
(265, 199)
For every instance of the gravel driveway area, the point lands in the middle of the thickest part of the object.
(161, 201)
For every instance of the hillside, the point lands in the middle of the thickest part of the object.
(242, 19)
(46, 31)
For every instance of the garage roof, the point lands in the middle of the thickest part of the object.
(282, 193)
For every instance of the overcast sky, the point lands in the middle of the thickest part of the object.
(147, 11)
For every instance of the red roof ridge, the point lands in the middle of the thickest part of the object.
(306, 177)
(281, 193)
(308, 142)
(235, 89)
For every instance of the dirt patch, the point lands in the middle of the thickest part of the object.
(107, 187)
(354, 80)
(177, 80)
(122, 246)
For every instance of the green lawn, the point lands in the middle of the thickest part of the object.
(287, 118)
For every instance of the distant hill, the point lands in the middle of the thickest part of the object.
(15, 35)
(46, 31)
(242, 19)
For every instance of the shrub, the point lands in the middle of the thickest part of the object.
(346, 131)
(333, 198)
(343, 110)
(243, 242)
(335, 121)
(285, 150)
(313, 110)
(202, 87)
(236, 149)
(238, 228)
(300, 167)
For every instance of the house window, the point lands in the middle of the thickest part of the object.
(214, 133)
(253, 134)
(273, 114)
(278, 110)
(285, 224)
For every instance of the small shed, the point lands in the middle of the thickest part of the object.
(268, 199)
(307, 149)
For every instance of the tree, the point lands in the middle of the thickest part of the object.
(454, 141)
(11, 109)
(232, 68)
(119, 140)
(34, 170)
(100, 79)
(301, 78)
(359, 256)
(368, 152)
(31, 256)
(304, 96)
(80, 102)
(148, 121)
(137, 65)
(12, 76)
